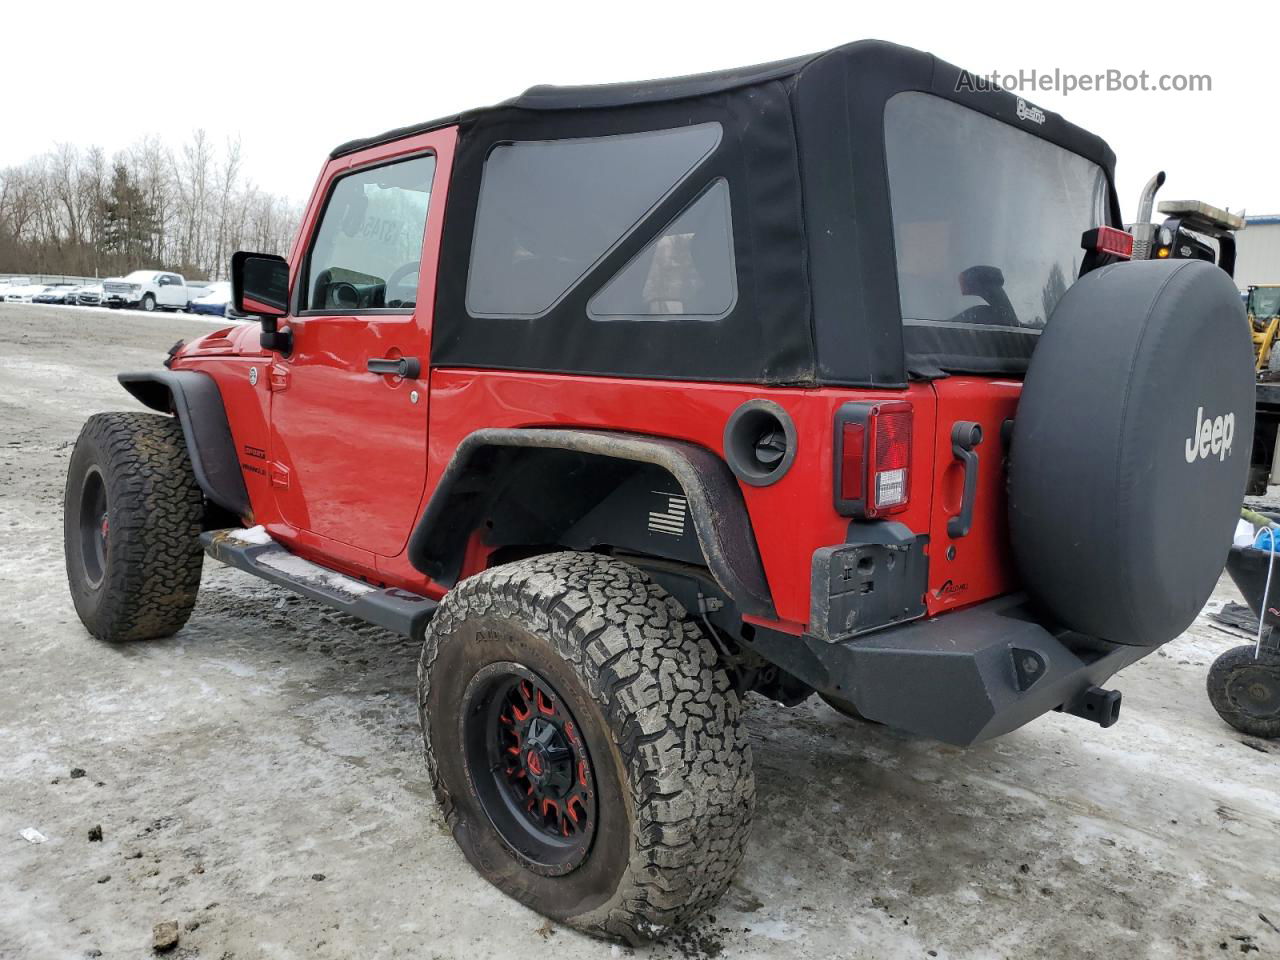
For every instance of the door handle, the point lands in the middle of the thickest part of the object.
(965, 435)
(406, 367)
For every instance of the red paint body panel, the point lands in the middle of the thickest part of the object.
(791, 518)
(982, 567)
(350, 463)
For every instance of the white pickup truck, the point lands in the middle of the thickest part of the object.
(146, 289)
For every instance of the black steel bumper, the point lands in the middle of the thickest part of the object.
(961, 678)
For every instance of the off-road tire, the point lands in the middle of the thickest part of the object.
(149, 576)
(147, 303)
(660, 717)
(1228, 683)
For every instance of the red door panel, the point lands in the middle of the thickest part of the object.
(349, 446)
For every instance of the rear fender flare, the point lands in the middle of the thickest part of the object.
(474, 479)
(193, 397)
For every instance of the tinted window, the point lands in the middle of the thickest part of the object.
(687, 271)
(987, 218)
(365, 253)
(549, 210)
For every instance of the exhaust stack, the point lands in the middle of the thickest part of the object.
(1143, 229)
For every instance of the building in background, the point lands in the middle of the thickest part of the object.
(1258, 251)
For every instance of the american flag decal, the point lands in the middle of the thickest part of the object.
(671, 520)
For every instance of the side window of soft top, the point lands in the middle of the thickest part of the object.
(550, 210)
(365, 253)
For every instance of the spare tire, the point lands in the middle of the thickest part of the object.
(1131, 448)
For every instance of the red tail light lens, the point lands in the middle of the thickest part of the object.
(1117, 243)
(873, 458)
(853, 473)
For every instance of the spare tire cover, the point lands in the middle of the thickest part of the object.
(1131, 448)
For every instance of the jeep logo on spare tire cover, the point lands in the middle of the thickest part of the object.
(1211, 437)
(1125, 478)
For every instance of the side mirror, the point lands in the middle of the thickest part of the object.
(260, 286)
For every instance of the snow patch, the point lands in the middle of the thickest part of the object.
(299, 569)
(256, 535)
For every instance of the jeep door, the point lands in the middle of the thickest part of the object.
(349, 403)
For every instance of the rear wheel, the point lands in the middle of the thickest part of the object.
(585, 746)
(131, 527)
(1246, 690)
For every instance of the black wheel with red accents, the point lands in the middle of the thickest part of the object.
(540, 792)
(585, 745)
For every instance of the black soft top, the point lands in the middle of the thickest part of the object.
(595, 96)
(803, 152)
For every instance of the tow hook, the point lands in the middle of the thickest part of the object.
(1096, 704)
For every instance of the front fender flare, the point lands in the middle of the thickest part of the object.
(716, 506)
(193, 397)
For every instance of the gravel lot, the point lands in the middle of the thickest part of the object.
(257, 777)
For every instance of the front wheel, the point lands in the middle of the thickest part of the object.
(131, 527)
(1246, 690)
(148, 302)
(585, 747)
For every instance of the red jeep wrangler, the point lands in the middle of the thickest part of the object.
(829, 375)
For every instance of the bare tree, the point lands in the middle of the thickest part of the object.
(187, 210)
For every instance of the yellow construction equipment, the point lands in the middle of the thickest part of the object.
(1263, 306)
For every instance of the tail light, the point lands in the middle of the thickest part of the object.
(1109, 241)
(873, 458)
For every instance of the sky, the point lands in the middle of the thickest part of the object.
(294, 80)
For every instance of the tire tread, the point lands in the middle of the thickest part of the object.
(671, 709)
(155, 509)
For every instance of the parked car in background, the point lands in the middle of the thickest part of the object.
(213, 300)
(10, 284)
(90, 295)
(22, 293)
(53, 293)
(147, 290)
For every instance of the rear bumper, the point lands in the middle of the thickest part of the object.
(961, 678)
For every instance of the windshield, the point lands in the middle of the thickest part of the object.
(1264, 302)
(987, 217)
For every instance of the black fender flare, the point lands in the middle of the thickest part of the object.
(716, 505)
(193, 397)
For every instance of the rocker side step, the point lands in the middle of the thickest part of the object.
(397, 610)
